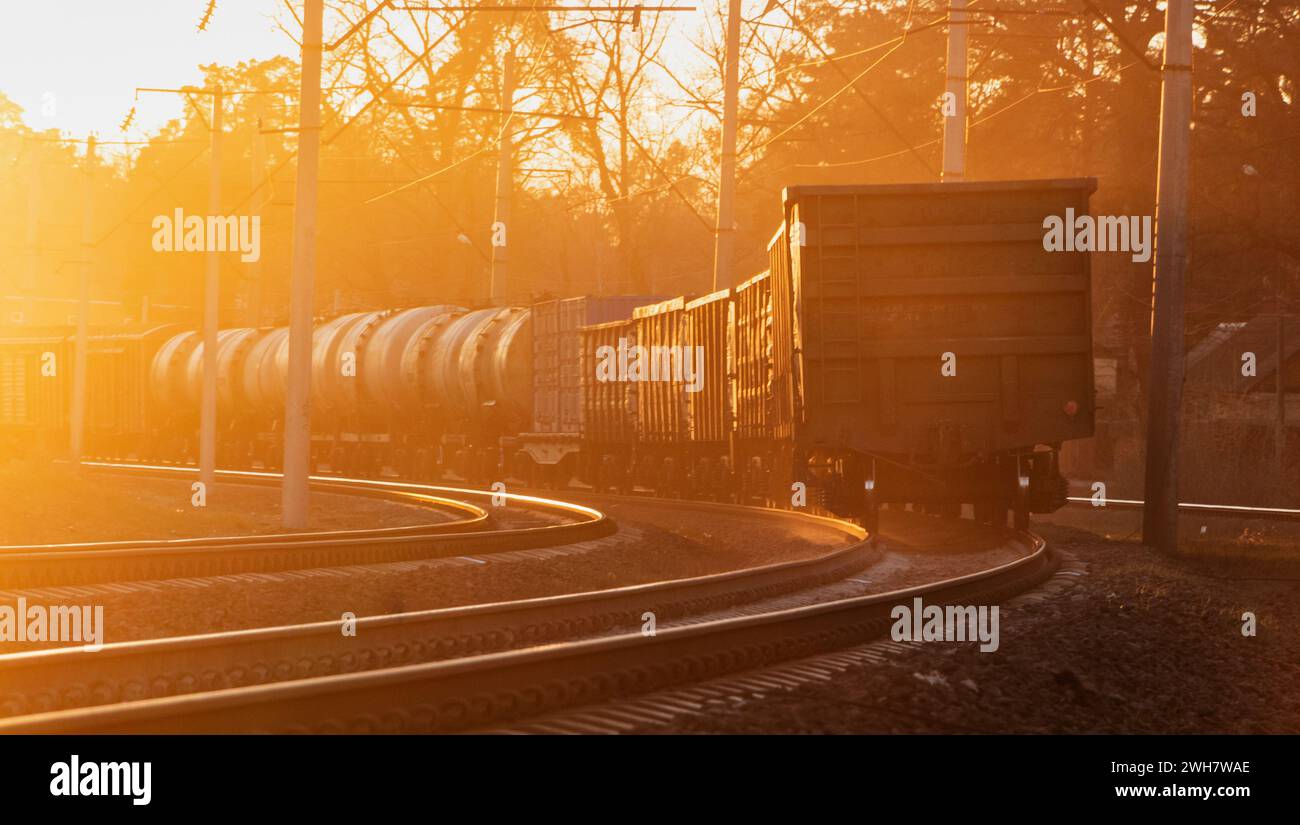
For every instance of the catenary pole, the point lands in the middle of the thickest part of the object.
(294, 502)
(505, 183)
(954, 124)
(1160, 513)
(77, 418)
(211, 297)
(724, 235)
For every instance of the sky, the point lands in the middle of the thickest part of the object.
(73, 65)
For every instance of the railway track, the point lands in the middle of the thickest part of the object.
(1235, 510)
(472, 531)
(72, 677)
(387, 691)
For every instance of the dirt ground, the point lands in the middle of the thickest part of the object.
(1143, 643)
(686, 544)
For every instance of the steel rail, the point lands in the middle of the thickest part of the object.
(470, 517)
(1238, 510)
(60, 678)
(473, 692)
(62, 565)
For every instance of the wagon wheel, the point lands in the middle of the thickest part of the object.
(1021, 508)
(991, 511)
(870, 513)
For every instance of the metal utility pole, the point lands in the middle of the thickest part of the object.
(211, 288)
(211, 297)
(724, 235)
(77, 418)
(954, 125)
(1279, 437)
(1160, 513)
(505, 184)
(32, 277)
(255, 284)
(294, 501)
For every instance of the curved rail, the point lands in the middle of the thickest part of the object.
(87, 563)
(44, 680)
(1238, 510)
(480, 690)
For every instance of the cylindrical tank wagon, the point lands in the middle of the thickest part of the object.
(417, 390)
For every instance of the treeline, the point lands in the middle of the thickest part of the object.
(616, 191)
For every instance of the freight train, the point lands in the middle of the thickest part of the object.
(907, 343)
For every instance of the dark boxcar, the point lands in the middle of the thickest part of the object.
(661, 402)
(685, 410)
(662, 419)
(708, 384)
(753, 355)
(35, 368)
(926, 342)
(558, 379)
(707, 369)
(557, 403)
(752, 352)
(609, 407)
(121, 421)
(36, 372)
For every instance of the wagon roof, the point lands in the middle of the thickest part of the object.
(721, 294)
(63, 332)
(794, 193)
(617, 322)
(663, 306)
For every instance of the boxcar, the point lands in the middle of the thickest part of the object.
(926, 347)
(121, 420)
(663, 414)
(35, 367)
(36, 371)
(709, 389)
(609, 410)
(752, 354)
(556, 426)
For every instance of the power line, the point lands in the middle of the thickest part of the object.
(852, 84)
